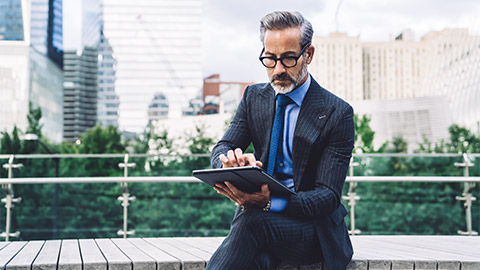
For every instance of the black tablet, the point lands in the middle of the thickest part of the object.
(248, 179)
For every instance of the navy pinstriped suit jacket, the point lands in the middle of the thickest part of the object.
(322, 146)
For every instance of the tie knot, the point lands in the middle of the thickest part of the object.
(283, 100)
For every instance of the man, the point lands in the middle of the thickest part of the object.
(304, 135)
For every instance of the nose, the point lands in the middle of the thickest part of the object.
(279, 68)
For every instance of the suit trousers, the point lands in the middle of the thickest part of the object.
(262, 240)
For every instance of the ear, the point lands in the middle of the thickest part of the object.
(309, 53)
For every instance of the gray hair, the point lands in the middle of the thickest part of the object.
(280, 20)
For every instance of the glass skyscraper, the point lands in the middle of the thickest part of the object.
(47, 29)
(82, 19)
(11, 20)
(157, 48)
(26, 74)
(107, 103)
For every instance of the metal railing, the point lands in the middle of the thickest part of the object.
(351, 197)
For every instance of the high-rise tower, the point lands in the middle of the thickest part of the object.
(157, 48)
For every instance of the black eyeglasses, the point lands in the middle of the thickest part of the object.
(287, 61)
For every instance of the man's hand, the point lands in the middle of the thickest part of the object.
(257, 199)
(238, 159)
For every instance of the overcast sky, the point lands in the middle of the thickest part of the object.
(231, 28)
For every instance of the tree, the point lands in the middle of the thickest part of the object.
(33, 119)
(10, 143)
(462, 140)
(364, 135)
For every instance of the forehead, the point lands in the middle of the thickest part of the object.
(278, 41)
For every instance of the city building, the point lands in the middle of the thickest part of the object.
(393, 70)
(443, 65)
(46, 35)
(337, 65)
(221, 96)
(157, 46)
(108, 101)
(158, 108)
(454, 71)
(27, 75)
(80, 92)
(81, 42)
(413, 119)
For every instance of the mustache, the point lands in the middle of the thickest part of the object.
(282, 76)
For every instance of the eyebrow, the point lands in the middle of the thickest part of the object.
(287, 53)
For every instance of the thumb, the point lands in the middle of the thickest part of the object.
(265, 188)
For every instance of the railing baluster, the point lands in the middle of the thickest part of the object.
(352, 198)
(467, 196)
(125, 198)
(9, 199)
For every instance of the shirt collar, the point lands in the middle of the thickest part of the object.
(298, 94)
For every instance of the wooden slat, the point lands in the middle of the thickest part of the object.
(188, 260)
(115, 258)
(92, 257)
(48, 257)
(209, 245)
(380, 257)
(164, 260)
(427, 252)
(470, 265)
(358, 263)
(70, 258)
(425, 265)
(8, 252)
(188, 247)
(448, 265)
(140, 260)
(25, 258)
(3, 244)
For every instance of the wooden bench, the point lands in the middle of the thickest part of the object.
(371, 253)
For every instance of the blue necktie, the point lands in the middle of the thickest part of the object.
(282, 102)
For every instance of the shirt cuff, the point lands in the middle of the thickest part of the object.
(278, 204)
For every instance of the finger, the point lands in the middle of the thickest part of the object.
(265, 189)
(224, 161)
(240, 157)
(259, 164)
(250, 159)
(222, 188)
(224, 193)
(226, 190)
(231, 157)
(235, 192)
(234, 196)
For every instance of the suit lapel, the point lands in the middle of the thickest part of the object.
(313, 116)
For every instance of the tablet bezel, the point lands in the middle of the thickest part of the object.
(249, 179)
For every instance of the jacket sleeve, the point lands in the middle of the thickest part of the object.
(332, 167)
(237, 134)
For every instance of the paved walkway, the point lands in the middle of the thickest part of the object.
(371, 253)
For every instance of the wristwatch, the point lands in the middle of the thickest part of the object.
(267, 207)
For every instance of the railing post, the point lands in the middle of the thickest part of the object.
(125, 198)
(352, 198)
(9, 199)
(467, 196)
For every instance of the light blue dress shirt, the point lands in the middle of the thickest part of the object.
(284, 166)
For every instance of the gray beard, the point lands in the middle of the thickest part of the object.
(293, 85)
